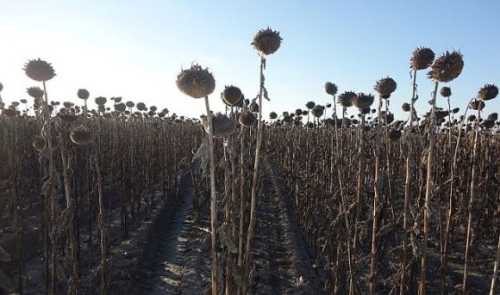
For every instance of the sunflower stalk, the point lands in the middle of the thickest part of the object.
(253, 194)
(213, 201)
(471, 204)
(428, 195)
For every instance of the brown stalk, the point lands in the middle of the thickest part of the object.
(428, 196)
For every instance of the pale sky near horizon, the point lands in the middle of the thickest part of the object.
(135, 49)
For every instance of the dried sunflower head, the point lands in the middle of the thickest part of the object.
(120, 107)
(273, 115)
(232, 95)
(406, 107)
(310, 105)
(100, 100)
(445, 91)
(67, 115)
(196, 81)
(488, 92)
(35, 92)
(39, 143)
(254, 107)
(447, 67)
(331, 88)
(318, 111)
(345, 99)
(477, 104)
(83, 94)
(492, 117)
(385, 87)
(422, 58)
(81, 135)
(247, 119)
(141, 107)
(363, 101)
(39, 70)
(223, 126)
(488, 124)
(267, 41)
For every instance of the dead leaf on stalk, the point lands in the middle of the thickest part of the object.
(266, 95)
(199, 163)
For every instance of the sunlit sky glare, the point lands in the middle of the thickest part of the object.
(135, 49)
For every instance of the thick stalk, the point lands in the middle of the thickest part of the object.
(404, 256)
(360, 181)
(374, 248)
(242, 197)
(213, 201)
(70, 205)
(50, 192)
(253, 196)
(446, 236)
(102, 230)
(471, 203)
(428, 195)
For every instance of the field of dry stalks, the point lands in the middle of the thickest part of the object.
(129, 198)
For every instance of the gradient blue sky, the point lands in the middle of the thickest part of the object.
(135, 49)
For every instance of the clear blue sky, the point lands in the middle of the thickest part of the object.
(135, 49)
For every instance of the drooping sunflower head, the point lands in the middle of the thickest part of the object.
(346, 99)
(196, 81)
(83, 94)
(39, 143)
(39, 70)
(477, 105)
(81, 135)
(247, 119)
(267, 41)
(422, 58)
(488, 92)
(100, 100)
(385, 87)
(445, 91)
(318, 110)
(35, 92)
(232, 95)
(447, 67)
(331, 88)
(310, 105)
(363, 101)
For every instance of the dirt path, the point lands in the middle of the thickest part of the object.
(176, 262)
(282, 264)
